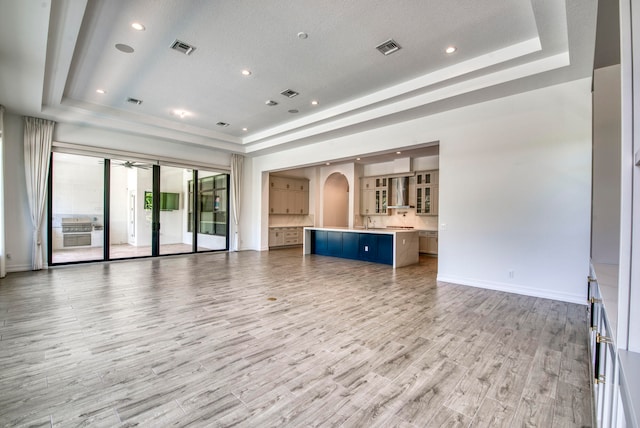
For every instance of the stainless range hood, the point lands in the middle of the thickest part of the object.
(399, 193)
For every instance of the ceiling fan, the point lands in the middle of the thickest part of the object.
(129, 164)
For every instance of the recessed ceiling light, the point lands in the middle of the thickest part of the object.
(294, 111)
(124, 48)
(181, 113)
(328, 163)
(302, 35)
(314, 103)
(398, 153)
(101, 91)
(451, 49)
(137, 26)
(271, 103)
(245, 129)
(357, 158)
(246, 72)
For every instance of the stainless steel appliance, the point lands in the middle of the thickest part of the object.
(76, 232)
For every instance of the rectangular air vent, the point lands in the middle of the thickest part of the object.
(388, 47)
(134, 101)
(183, 47)
(223, 124)
(290, 93)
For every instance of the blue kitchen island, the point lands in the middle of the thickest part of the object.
(395, 247)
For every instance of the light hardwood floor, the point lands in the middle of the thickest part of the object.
(272, 339)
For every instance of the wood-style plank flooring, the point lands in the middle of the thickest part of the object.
(273, 339)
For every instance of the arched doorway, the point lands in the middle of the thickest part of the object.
(336, 201)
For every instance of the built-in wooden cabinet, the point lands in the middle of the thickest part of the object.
(428, 242)
(288, 195)
(374, 194)
(285, 236)
(426, 185)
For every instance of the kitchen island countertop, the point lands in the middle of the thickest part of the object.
(405, 250)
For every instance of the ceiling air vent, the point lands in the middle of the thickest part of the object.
(290, 93)
(134, 101)
(388, 47)
(183, 47)
(223, 124)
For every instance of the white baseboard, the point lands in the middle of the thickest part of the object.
(19, 268)
(516, 289)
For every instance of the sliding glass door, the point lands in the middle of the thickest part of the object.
(76, 209)
(212, 208)
(106, 209)
(130, 230)
(174, 210)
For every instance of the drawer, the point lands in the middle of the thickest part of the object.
(291, 234)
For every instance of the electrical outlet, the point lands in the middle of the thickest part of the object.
(9, 256)
(443, 227)
(366, 248)
(512, 274)
(404, 241)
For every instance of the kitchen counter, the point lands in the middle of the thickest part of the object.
(397, 247)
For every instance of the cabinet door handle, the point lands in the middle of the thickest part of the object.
(603, 339)
(596, 364)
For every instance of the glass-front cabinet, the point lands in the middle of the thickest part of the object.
(374, 192)
(427, 193)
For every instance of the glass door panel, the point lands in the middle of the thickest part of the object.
(174, 210)
(77, 208)
(212, 211)
(129, 210)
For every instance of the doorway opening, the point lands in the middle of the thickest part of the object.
(335, 211)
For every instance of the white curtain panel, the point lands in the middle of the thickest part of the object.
(3, 260)
(237, 162)
(38, 134)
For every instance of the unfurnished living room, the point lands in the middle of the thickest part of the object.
(293, 213)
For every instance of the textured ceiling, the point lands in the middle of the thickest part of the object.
(68, 46)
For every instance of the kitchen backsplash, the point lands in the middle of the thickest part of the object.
(424, 222)
(291, 220)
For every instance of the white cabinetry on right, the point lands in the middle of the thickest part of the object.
(426, 192)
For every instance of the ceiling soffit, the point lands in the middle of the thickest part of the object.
(522, 40)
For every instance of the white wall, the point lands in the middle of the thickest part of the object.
(605, 230)
(514, 188)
